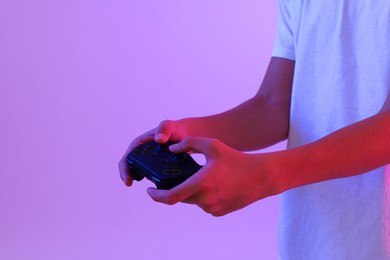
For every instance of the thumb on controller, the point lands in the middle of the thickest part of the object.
(203, 145)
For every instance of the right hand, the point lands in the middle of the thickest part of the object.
(167, 130)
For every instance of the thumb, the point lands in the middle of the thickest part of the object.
(206, 146)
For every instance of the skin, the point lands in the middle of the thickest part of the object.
(216, 188)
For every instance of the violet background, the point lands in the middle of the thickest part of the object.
(78, 81)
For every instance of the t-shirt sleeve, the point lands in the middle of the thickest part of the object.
(284, 45)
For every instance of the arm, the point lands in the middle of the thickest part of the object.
(353, 150)
(350, 151)
(257, 123)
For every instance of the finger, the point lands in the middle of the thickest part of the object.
(192, 200)
(202, 200)
(145, 138)
(163, 132)
(206, 146)
(125, 173)
(124, 170)
(177, 194)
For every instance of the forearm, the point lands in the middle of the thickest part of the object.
(350, 151)
(255, 124)
(258, 122)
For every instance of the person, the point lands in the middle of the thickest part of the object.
(326, 90)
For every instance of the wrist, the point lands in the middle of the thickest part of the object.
(270, 173)
(297, 167)
(280, 171)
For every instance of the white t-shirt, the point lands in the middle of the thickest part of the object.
(341, 50)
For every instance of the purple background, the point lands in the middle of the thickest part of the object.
(79, 80)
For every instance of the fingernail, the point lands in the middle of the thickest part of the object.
(173, 146)
(128, 182)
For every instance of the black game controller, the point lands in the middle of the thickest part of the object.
(159, 165)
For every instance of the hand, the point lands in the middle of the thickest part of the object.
(230, 180)
(167, 131)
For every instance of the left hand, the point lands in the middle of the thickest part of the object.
(229, 180)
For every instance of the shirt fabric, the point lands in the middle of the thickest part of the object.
(341, 50)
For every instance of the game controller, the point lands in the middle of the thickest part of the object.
(159, 165)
